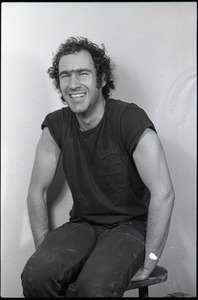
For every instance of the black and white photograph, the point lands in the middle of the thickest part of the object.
(98, 149)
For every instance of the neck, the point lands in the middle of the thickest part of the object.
(92, 117)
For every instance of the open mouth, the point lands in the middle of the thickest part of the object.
(77, 95)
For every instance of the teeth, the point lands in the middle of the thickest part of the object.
(77, 95)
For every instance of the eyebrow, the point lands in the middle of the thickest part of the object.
(75, 71)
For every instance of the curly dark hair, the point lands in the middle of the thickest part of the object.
(102, 62)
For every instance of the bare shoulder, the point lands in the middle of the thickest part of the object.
(46, 140)
(47, 153)
(151, 162)
(149, 144)
(45, 162)
(47, 144)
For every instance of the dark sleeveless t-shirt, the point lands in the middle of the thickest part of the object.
(98, 163)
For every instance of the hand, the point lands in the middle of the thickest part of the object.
(142, 274)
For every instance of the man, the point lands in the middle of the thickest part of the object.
(118, 176)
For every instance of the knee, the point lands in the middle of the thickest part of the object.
(35, 278)
(30, 279)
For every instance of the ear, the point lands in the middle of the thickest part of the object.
(101, 82)
(104, 80)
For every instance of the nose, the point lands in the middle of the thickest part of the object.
(74, 82)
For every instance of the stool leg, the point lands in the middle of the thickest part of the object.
(143, 292)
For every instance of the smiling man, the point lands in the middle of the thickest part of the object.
(80, 89)
(116, 169)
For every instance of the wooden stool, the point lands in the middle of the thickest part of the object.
(159, 274)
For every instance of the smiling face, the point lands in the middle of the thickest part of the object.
(78, 82)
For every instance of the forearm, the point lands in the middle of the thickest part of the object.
(158, 223)
(38, 216)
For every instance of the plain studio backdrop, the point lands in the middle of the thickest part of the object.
(153, 47)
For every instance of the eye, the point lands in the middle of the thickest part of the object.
(65, 75)
(84, 73)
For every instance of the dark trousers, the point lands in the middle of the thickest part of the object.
(102, 259)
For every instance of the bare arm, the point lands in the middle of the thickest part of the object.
(151, 164)
(44, 168)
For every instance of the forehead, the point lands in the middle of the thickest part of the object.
(77, 60)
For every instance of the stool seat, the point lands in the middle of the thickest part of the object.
(160, 274)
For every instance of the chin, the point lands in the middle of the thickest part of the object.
(77, 109)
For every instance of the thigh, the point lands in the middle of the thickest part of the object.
(65, 248)
(117, 256)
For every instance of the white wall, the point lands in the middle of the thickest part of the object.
(153, 46)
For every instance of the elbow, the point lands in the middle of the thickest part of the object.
(36, 194)
(165, 197)
(30, 199)
(172, 195)
(30, 202)
(170, 198)
(36, 199)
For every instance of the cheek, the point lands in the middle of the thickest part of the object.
(63, 86)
